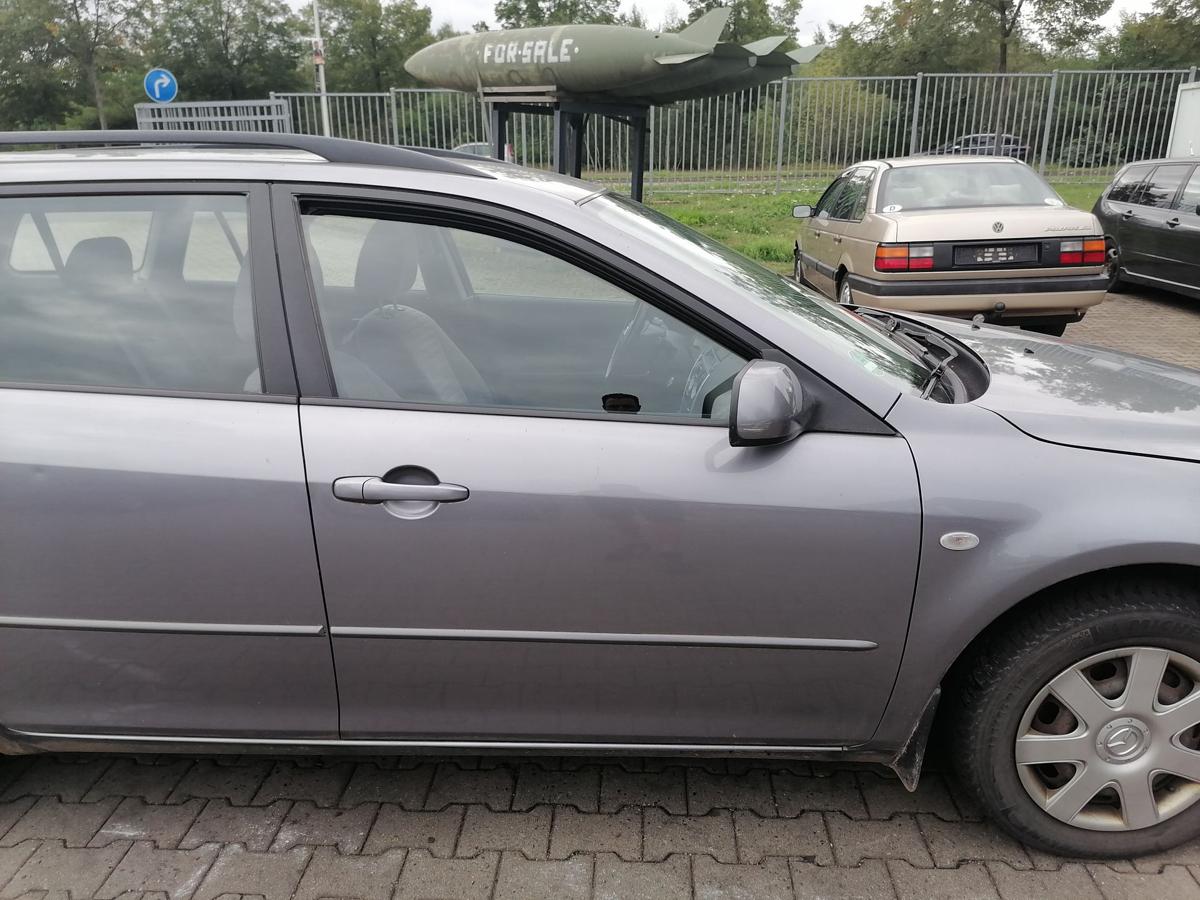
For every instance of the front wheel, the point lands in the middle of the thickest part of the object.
(1078, 728)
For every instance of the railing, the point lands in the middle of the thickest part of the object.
(232, 115)
(797, 132)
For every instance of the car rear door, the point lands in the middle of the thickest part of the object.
(574, 553)
(1183, 235)
(851, 248)
(157, 569)
(819, 251)
(1144, 248)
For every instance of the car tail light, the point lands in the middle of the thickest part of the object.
(903, 257)
(920, 256)
(1086, 252)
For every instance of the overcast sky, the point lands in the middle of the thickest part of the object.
(462, 14)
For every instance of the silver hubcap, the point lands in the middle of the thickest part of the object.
(844, 297)
(1112, 743)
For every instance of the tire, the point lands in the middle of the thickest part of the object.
(844, 295)
(1121, 621)
(1116, 284)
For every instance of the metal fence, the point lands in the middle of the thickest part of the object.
(795, 133)
(233, 115)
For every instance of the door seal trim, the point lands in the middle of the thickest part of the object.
(158, 627)
(591, 637)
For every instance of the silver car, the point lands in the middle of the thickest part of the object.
(316, 445)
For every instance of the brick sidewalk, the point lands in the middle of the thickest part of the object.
(200, 829)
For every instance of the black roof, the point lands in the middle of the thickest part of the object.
(335, 150)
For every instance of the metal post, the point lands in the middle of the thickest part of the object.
(783, 100)
(1191, 74)
(650, 161)
(637, 156)
(395, 118)
(1049, 123)
(319, 62)
(916, 122)
(499, 121)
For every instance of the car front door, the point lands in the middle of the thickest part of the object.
(572, 550)
(1183, 235)
(1145, 244)
(157, 570)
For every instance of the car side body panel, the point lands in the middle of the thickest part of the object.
(980, 474)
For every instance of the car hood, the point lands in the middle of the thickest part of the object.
(1015, 222)
(1085, 396)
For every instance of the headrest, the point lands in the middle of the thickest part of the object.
(100, 262)
(387, 264)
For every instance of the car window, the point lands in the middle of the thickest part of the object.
(852, 204)
(1127, 184)
(1189, 198)
(88, 295)
(829, 199)
(834, 326)
(216, 246)
(1159, 189)
(960, 185)
(498, 323)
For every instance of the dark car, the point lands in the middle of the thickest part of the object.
(986, 145)
(1151, 219)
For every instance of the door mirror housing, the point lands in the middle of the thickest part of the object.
(769, 405)
(802, 212)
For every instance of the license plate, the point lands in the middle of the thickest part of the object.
(991, 256)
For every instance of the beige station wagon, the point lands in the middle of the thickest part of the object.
(953, 236)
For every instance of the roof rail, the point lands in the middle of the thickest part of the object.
(334, 150)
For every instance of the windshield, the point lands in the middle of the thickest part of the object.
(837, 327)
(956, 185)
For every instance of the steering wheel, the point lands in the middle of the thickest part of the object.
(650, 361)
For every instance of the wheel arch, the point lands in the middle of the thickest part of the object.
(1177, 574)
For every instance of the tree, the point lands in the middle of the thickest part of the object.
(229, 49)
(535, 13)
(367, 41)
(36, 78)
(1167, 37)
(751, 20)
(1063, 25)
(96, 36)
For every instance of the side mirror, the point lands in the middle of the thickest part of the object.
(802, 212)
(768, 406)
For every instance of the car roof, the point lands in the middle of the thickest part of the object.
(904, 162)
(217, 156)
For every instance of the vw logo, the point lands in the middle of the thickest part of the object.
(1124, 742)
(997, 227)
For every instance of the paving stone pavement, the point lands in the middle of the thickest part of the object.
(395, 828)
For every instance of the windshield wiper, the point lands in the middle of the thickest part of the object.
(921, 340)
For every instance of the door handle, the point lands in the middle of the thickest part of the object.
(837, 239)
(370, 489)
(1173, 223)
(1128, 214)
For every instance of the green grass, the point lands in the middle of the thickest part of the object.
(761, 225)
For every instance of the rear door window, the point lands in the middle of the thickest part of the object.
(829, 199)
(1160, 188)
(1189, 197)
(145, 292)
(1126, 187)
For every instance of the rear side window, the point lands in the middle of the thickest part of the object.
(829, 199)
(1160, 188)
(1127, 184)
(149, 291)
(1189, 199)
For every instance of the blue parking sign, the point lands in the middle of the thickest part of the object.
(161, 86)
